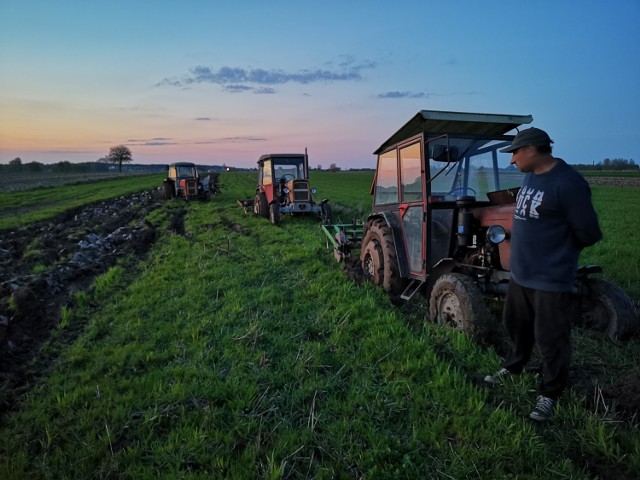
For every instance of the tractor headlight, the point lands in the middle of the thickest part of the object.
(314, 190)
(496, 234)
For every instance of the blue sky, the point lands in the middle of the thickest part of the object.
(225, 81)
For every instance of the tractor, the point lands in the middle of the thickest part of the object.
(284, 189)
(184, 181)
(443, 205)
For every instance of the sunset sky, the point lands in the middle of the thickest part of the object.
(218, 82)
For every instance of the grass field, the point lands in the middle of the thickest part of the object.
(15, 181)
(241, 350)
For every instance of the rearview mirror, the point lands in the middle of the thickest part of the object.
(445, 153)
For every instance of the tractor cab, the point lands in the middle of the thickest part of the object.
(440, 183)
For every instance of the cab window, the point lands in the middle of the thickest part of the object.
(387, 178)
(266, 173)
(411, 173)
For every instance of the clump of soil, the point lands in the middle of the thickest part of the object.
(43, 264)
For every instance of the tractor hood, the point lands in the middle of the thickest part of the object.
(434, 122)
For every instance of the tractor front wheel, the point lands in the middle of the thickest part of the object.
(260, 206)
(378, 258)
(457, 301)
(274, 213)
(606, 308)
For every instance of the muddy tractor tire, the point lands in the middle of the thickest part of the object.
(457, 301)
(378, 258)
(260, 205)
(169, 189)
(274, 213)
(326, 214)
(606, 308)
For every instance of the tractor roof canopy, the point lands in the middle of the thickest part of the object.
(284, 158)
(298, 160)
(435, 122)
(182, 164)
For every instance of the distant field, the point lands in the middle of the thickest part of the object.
(611, 173)
(24, 181)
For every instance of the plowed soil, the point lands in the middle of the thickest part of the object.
(45, 263)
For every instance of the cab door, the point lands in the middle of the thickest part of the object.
(412, 206)
(265, 181)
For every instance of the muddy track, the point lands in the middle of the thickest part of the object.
(43, 264)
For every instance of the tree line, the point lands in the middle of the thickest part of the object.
(18, 166)
(117, 156)
(609, 164)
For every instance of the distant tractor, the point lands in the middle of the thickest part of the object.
(183, 181)
(443, 204)
(284, 189)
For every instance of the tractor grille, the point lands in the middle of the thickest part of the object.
(191, 188)
(301, 191)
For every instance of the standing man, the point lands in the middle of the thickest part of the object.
(554, 220)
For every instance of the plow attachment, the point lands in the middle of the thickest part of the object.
(344, 237)
(247, 205)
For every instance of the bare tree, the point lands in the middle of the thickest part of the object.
(118, 155)
(15, 164)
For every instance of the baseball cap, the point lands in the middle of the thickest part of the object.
(530, 136)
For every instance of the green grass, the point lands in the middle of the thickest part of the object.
(617, 252)
(240, 350)
(25, 206)
(348, 193)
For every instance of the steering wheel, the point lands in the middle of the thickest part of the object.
(461, 191)
(284, 177)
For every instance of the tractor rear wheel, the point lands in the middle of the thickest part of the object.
(378, 258)
(457, 301)
(260, 206)
(274, 213)
(606, 308)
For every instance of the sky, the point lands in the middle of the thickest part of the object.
(223, 82)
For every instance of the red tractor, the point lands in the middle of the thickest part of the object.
(284, 188)
(443, 203)
(183, 181)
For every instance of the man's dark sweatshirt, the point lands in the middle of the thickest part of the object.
(553, 221)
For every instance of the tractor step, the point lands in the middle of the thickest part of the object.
(412, 288)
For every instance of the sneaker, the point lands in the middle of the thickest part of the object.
(497, 377)
(544, 409)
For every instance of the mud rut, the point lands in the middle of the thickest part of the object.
(68, 252)
(73, 248)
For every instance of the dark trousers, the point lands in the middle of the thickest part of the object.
(544, 318)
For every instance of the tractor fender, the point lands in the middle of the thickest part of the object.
(393, 220)
(444, 266)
